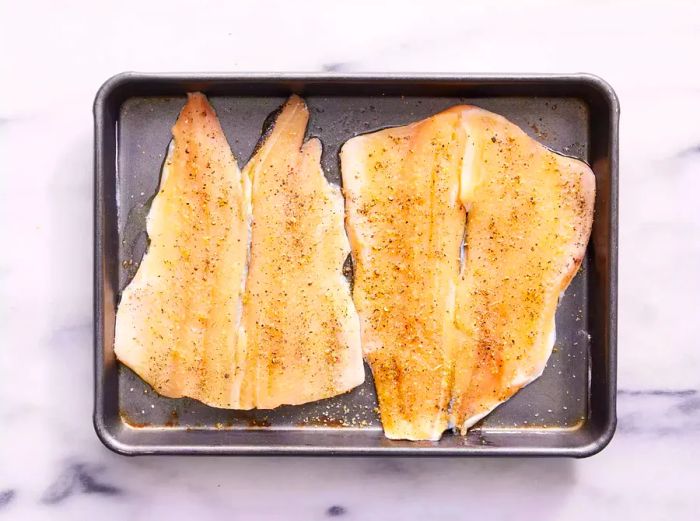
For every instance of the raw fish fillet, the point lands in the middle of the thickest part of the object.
(406, 225)
(303, 338)
(178, 322)
(530, 218)
(236, 306)
(452, 332)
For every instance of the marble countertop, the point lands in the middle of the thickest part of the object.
(54, 58)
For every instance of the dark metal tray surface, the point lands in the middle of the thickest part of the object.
(569, 411)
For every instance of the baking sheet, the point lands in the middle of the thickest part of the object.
(568, 411)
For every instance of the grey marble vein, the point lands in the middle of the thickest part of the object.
(6, 497)
(337, 67)
(336, 511)
(657, 392)
(657, 412)
(78, 478)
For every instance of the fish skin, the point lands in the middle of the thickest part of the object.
(178, 321)
(301, 325)
(482, 306)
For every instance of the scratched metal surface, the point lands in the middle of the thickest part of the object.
(552, 412)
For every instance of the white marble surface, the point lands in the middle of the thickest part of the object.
(55, 55)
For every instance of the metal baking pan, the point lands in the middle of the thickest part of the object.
(569, 411)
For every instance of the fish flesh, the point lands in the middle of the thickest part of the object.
(406, 226)
(178, 323)
(464, 232)
(302, 330)
(530, 218)
(240, 301)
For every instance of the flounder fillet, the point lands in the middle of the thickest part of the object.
(303, 336)
(179, 320)
(406, 225)
(452, 332)
(243, 305)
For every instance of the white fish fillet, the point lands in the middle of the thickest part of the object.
(303, 332)
(446, 343)
(178, 323)
(240, 301)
